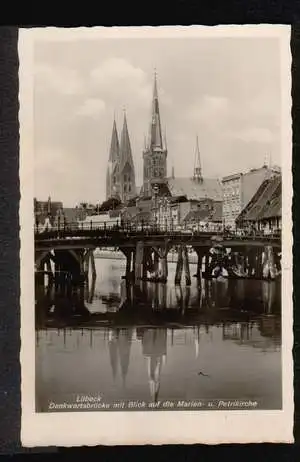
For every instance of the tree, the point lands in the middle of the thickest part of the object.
(110, 204)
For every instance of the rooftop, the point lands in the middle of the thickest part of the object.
(266, 202)
(193, 189)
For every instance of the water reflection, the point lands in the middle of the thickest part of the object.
(153, 341)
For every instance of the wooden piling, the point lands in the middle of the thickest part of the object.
(86, 264)
(186, 266)
(268, 267)
(164, 269)
(199, 264)
(93, 266)
(139, 260)
(155, 264)
(179, 265)
(128, 264)
(145, 264)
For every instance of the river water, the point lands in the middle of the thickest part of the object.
(158, 342)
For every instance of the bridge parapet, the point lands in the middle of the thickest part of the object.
(106, 231)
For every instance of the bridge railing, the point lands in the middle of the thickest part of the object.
(109, 228)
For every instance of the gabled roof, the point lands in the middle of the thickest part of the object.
(71, 214)
(209, 188)
(266, 202)
(213, 215)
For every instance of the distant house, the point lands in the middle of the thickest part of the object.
(239, 188)
(263, 212)
(68, 216)
(45, 211)
(207, 216)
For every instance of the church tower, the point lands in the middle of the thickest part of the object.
(155, 153)
(197, 164)
(126, 170)
(112, 174)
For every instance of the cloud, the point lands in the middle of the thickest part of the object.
(209, 108)
(58, 79)
(91, 107)
(253, 134)
(119, 80)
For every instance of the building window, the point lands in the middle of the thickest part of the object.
(129, 188)
(125, 187)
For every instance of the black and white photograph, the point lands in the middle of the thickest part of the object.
(159, 231)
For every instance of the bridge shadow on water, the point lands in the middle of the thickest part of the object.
(161, 305)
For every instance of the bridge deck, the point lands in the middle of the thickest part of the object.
(79, 238)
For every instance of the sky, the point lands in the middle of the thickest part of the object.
(225, 90)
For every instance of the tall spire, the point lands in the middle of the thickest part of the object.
(125, 146)
(114, 145)
(127, 171)
(155, 131)
(197, 163)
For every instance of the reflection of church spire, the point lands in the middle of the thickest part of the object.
(124, 347)
(119, 346)
(154, 343)
(154, 371)
(113, 351)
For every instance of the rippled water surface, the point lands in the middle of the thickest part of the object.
(157, 341)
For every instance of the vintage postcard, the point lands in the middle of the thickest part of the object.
(156, 235)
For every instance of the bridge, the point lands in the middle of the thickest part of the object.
(71, 249)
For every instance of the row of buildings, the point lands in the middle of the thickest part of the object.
(249, 199)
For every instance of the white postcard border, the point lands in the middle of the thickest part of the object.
(159, 427)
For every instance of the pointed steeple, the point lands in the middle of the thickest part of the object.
(114, 145)
(125, 146)
(127, 172)
(155, 130)
(197, 163)
(112, 174)
(113, 352)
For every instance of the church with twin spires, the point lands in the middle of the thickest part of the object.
(120, 179)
